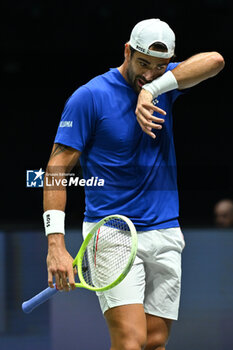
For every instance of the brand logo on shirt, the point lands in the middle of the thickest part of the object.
(155, 101)
(66, 124)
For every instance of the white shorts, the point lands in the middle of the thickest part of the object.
(155, 277)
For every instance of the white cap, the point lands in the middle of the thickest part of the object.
(149, 31)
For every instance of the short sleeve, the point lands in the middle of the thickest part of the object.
(78, 120)
(175, 93)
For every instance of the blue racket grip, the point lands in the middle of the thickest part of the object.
(38, 299)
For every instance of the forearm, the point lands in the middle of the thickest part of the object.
(59, 261)
(54, 196)
(62, 160)
(55, 199)
(197, 69)
(54, 220)
(187, 74)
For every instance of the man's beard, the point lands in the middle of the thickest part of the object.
(132, 79)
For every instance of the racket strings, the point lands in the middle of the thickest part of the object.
(107, 253)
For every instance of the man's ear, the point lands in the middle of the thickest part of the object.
(127, 52)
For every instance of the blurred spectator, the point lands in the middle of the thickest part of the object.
(223, 212)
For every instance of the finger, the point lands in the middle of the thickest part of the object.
(58, 281)
(147, 130)
(71, 279)
(75, 270)
(155, 108)
(146, 114)
(150, 117)
(50, 279)
(147, 123)
(156, 119)
(64, 282)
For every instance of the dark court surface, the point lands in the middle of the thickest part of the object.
(74, 320)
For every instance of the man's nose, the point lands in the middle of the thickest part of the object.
(150, 75)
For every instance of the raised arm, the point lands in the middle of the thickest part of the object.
(188, 73)
(198, 68)
(59, 261)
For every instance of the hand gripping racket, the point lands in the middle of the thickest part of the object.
(104, 258)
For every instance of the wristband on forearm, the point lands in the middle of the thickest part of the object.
(162, 84)
(54, 222)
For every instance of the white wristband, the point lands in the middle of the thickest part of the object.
(162, 84)
(54, 221)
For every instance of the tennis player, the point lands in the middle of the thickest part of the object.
(120, 126)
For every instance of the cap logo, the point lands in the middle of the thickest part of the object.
(140, 48)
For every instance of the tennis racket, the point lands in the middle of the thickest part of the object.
(104, 258)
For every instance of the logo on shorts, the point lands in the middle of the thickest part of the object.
(35, 178)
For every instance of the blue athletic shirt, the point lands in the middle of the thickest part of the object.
(139, 172)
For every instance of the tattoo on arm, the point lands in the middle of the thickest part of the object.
(58, 149)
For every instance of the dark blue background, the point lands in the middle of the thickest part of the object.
(51, 48)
